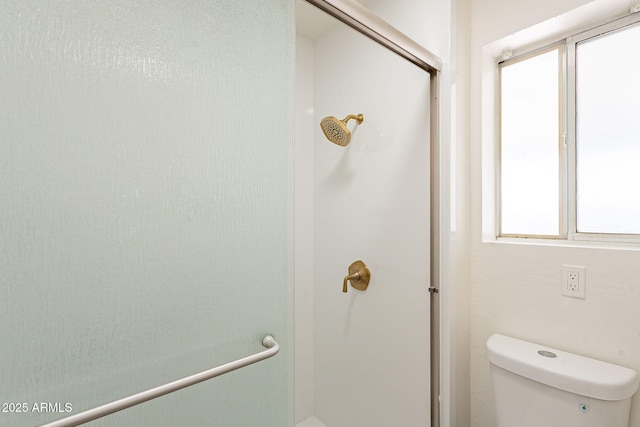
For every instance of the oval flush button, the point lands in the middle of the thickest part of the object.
(546, 353)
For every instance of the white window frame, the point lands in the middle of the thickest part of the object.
(567, 131)
(560, 46)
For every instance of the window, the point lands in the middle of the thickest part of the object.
(569, 137)
(529, 154)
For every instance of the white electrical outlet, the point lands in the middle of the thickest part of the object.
(574, 281)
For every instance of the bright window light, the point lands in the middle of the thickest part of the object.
(529, 150)
(608, 133)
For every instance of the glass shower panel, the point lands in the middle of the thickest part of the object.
(145, 208)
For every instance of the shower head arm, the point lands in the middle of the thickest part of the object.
(359, 118)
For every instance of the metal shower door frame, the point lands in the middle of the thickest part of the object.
(365, 22)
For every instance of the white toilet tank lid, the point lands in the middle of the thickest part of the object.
(565, 371)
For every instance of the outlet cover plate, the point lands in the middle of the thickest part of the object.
(574, 281)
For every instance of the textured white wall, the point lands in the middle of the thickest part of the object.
(516, 288)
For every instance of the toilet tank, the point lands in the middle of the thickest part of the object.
(535, 386)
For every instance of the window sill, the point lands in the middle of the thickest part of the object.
(590, 243)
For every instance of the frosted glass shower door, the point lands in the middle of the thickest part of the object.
(145, 208)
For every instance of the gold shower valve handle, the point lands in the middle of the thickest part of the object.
(355, 277)
(359, 275)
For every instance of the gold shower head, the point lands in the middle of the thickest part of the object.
(337, 131)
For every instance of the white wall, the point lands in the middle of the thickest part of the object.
(363, 211)
(456, 302)
(371, 203)
(516, 288)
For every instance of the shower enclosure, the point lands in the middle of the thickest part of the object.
(145, 208)
(146, 215)
(373, 362)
